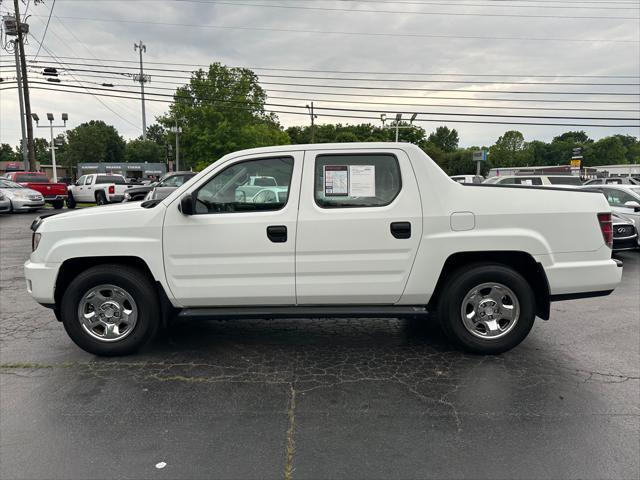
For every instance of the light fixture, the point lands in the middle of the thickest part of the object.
(398, 117)
(383, 118)
(65, 117)
(35, 117)
(50, 117)
(413, 117)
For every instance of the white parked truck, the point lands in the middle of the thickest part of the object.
(98, 188)
(365, 230)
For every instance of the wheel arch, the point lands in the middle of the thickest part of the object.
(71, 267)
(522, 262)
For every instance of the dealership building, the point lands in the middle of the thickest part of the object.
(129, 170)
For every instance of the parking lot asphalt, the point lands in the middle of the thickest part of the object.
(306, 399)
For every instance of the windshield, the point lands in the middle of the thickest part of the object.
(567, 180)
(9, 184)
(27, 178)
(118, 180)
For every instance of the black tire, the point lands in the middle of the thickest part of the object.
(136, 284)
(58, 204)
(71, 202)
(100, 198)
(463, 281)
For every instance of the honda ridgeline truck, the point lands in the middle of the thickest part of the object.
(365, 230)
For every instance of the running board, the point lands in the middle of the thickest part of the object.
(304, 312)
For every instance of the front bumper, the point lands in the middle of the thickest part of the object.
(625, 243)
(53, 198)
(5, 205)
(116, 198)
(41, 281)
(26, 204)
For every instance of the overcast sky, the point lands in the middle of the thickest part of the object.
(242, 33)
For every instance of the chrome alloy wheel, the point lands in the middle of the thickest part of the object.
(108, 313)
(490, 311)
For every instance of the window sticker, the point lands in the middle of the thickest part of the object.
(526, 181)
(362, 180)
(336, 180)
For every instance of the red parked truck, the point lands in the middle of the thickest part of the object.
(53, 193)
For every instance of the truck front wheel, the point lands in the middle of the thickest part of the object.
(110, 310)
(487, 308)
(71, 202)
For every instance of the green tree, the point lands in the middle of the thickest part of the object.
(143, 151)
(223, 110)
(94, 141)
(7, 154)
(507, 151)
(157, 134)
(606, 151)
(445, 139)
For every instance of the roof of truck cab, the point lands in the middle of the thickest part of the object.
(327, 146)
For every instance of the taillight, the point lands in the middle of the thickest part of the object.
(112, 189)
(606, 227)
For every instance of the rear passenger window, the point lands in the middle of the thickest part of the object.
(358, 180)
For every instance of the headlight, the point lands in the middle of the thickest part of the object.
(35, 241)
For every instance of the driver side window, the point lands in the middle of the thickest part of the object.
(235, 189)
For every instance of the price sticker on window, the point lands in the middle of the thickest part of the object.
(336, 180)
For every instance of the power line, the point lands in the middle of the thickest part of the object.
(98, 99)
(413, 12)
(330, 115)
(396, 103)
(496, 4)
(350, 110)
(366, 34)
(403, 80)
(381, 95)
(46, 28)
(351, 72)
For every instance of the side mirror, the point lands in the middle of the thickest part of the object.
(187, 205)
(633, 204)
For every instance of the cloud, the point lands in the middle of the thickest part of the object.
(113, 38)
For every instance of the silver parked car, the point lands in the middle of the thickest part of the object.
(21, 199)
(5, 203)
(624, 200)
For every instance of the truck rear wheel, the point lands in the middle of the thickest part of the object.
(487, 308)
(100, 198)
(110, 310)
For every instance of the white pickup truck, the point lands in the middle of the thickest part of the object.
(366, 230)
(98, 188)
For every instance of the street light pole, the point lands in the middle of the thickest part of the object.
(65, 117)
(396, 123)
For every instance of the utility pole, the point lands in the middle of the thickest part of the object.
(313, 125)
(23, 143)
(142, 79)
(21, 29)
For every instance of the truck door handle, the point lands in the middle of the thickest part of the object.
(401, 229)
(277, 233)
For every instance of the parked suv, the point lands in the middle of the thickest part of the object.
(356, 230)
